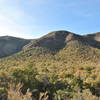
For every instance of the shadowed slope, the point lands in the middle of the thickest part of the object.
(10, 45)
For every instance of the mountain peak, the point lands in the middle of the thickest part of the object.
(54, 40)
(7, 37)
(58, 33)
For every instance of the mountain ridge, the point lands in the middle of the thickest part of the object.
(61, 38)
(53, 41)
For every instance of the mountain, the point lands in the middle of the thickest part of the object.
(58, 39)
(10, 45)
(77, 49)
(73, 48)
(53, 41)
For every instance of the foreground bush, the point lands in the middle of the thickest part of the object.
(14, 93)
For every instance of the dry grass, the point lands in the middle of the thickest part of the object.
(86, 95)
(14, 93)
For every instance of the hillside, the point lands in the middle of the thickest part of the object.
(59, 66)
(76, 48)
(10, 45)
(58, 39)
(95, 36)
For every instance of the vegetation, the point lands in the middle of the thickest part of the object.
(71, 72)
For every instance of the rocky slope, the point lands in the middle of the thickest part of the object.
(10, 45)
(58, 39)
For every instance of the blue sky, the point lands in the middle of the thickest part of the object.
(35, 18)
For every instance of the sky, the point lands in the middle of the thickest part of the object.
(35, 18)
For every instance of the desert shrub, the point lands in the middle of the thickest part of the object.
(25, 76)
(4, 78)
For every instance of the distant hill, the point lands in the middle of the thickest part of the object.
(10, 45)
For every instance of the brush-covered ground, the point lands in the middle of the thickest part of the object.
(58, 66)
